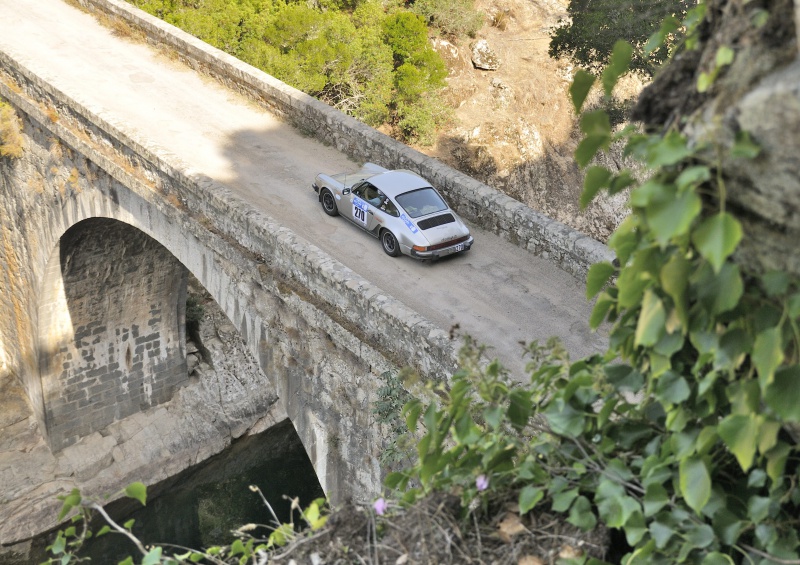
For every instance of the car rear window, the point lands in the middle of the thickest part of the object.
(421, 202)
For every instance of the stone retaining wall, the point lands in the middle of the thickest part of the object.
(571, 250)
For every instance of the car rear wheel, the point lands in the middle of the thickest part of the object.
(328, 202)
(389, 243)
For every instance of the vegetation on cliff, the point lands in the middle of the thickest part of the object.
(370, 59)
(589, 33)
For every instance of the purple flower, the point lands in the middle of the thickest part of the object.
(380, 506)
(482, 482)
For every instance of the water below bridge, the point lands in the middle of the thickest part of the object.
(202, 505)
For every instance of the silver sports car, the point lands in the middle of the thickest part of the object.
(398, 207)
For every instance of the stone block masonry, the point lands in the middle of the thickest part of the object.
(571, 250)
(125, 296)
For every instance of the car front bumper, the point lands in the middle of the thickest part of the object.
(443, 252)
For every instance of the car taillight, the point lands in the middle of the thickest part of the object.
(440, 245)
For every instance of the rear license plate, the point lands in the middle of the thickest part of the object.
(459, 247)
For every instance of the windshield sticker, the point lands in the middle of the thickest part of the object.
(409, 223)
(360, 210)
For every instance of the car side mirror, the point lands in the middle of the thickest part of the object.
(346, 191)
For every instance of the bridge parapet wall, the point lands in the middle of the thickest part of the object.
(571, 250)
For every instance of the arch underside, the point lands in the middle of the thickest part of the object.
(111, 328)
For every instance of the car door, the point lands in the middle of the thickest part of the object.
(362, 204)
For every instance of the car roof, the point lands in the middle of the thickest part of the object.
(392, 183)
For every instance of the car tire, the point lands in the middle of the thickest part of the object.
(389, 243)
(328, 202)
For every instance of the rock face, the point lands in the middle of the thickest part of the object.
(759, 93)
(514, 127)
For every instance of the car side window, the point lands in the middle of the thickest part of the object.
(365, 191)
(372, 195)
(389, 207)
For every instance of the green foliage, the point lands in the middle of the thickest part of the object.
(406, 34)
(419, 75)
(683, 436)
(723, 58)
(246, 548)
(194, 309)
(391, 399)
(10, 132)
(593, 27)
(352, 55)
(453, 17)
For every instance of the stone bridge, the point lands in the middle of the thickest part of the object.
(100, 233)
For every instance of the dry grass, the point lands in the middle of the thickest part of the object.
(117, 26)
(74, 179)
(431, 532)
(11, 139)
(52, 113)
(175, 201)
(501, 19)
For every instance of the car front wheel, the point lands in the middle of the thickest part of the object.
(389, 243)
(328, 203)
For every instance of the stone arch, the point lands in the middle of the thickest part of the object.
(256, 310)
(111, 338)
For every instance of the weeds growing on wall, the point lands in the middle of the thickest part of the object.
(10, 132)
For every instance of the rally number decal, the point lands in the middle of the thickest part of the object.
(360, 210)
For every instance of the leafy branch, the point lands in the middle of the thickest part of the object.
(682, 436)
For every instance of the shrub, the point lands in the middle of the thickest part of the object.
(453, 17)
(419, 76)
(346, 59)
(419, 122)
(588, 35)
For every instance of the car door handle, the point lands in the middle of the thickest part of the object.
(370, 212)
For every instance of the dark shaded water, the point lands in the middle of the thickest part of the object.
(200, 506)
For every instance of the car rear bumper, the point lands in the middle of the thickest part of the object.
(457, 248)
(315, 187)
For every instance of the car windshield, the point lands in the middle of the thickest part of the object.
(421, 202)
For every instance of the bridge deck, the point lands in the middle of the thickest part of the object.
(498, 293)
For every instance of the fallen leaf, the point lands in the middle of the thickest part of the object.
(530, 560)
(510, 527)
(569, 552)
(402, 559)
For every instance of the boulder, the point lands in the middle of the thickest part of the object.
(483, 57)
